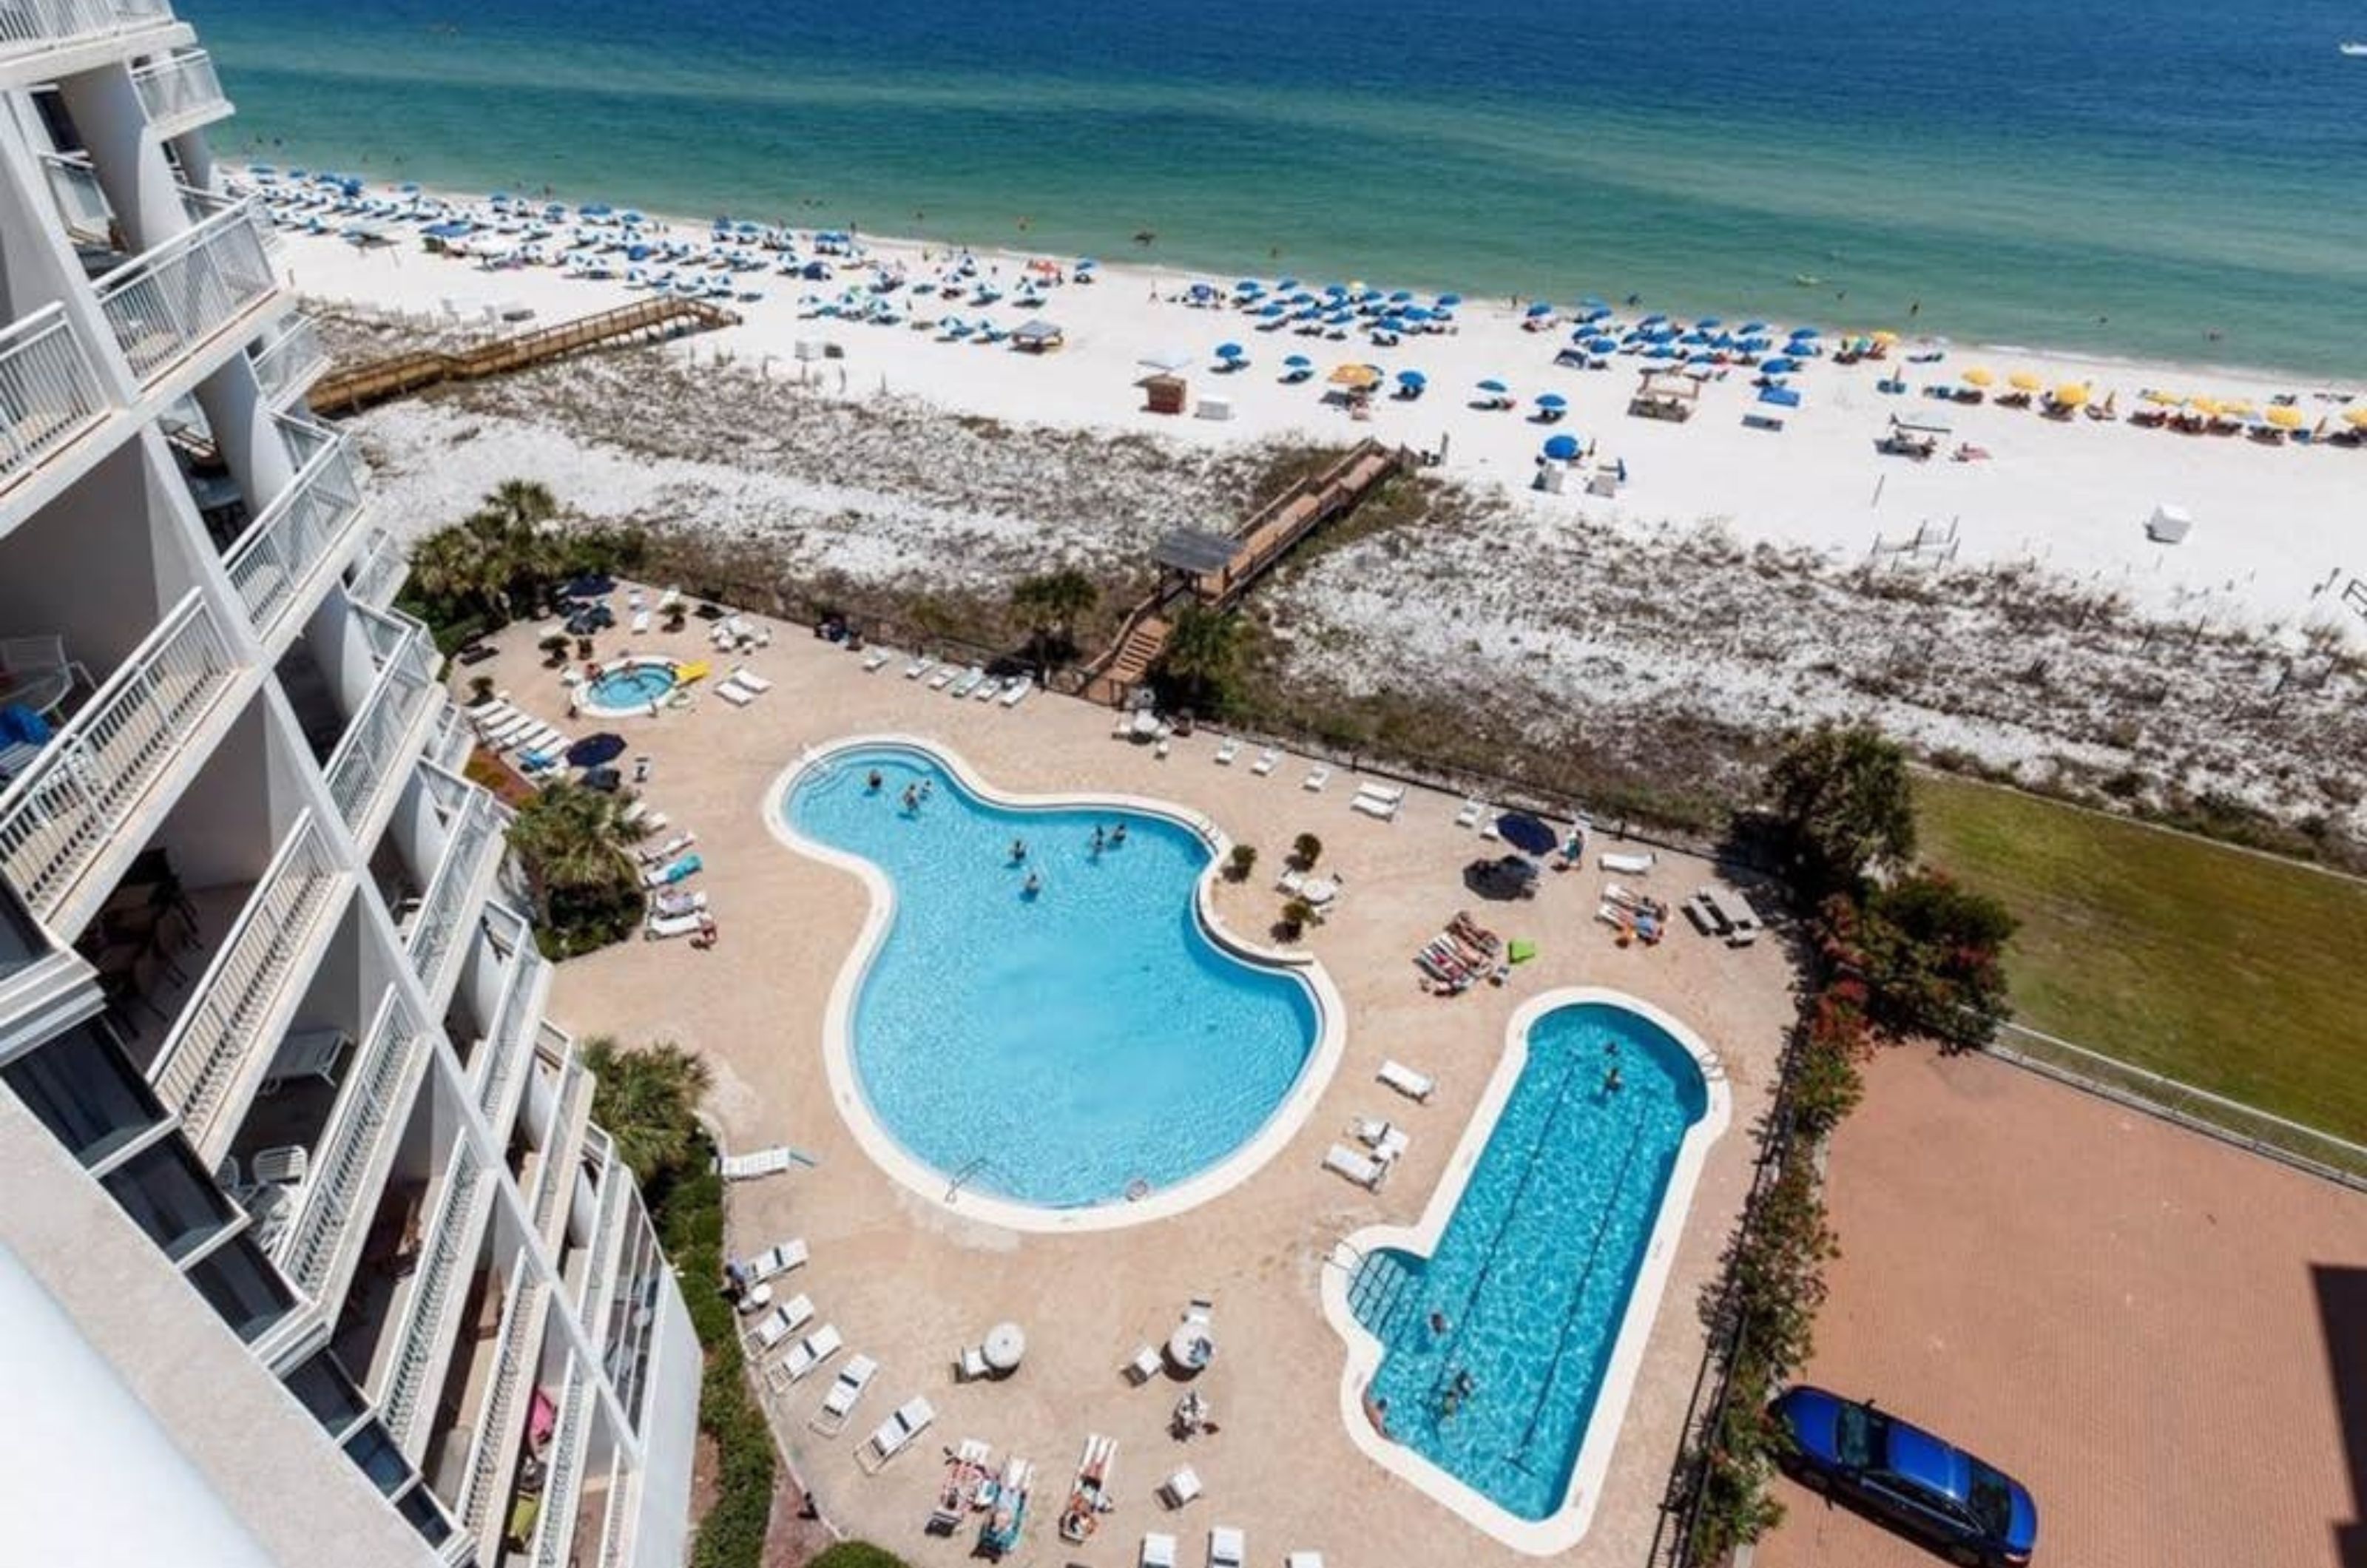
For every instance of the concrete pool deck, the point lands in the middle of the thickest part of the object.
(910, 1283)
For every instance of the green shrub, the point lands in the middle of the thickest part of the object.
(858, 1555)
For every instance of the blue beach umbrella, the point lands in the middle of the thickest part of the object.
(1494, 386)
(1710, 323)
(1552, 400)
(595, 749)
(1413, 378)
(1231, 351)
(1401, 297)
(1538, 309)
(1448, 301)
(1527, 833)
(1298, 362)
(1748, 328)
(1779, 367)
(1274, 311)
(1561, 448)
(1282, 283)
(1806, 334)
(1601, 345)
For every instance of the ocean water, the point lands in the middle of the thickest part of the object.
(2151, 178)
(1532, 1274)
(1055, 1047)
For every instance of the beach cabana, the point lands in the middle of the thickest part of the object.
(1665, 394)
(1038, 336)
(1165, 393)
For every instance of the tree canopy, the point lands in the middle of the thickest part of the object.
(1844, 803)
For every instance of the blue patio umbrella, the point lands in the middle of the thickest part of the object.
(1748, 328)
(1413, 378)
(1537, 310)
(1401, 297)
(1274, 311)
(1806, 334)
(1282, 283)
(1247, 283)
(595, 749)
(1231, 351)
(1656, 318)
(1601, 345)
(1335, 290)
(1709, 324)
(596, 209)
(1552, 400)
(1779, 367)
(1527, 833)
(1449, 301)
(629, 216)
(1562, 449)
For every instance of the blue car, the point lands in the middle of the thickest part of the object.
(1903, 1475)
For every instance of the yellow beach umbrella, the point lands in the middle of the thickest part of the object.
(2285, 417)
(2355, 418)
(2070, 395)
(1886, 338)
(2235, 408)
(2024, 381)
(1355, 376)
(2160, 399)
(1979, 376)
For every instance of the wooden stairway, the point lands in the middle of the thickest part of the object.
(348, 391)
(1139, 652)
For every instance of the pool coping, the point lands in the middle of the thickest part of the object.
(937, 1187)
(584, 708)
(1567, 1525)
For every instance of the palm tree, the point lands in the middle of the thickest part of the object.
(572, 842)
(1203, 652)
(450, 572)
(1051, 604)
(647, 1101)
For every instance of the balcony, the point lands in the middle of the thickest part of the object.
(289, 362)
(79, 798)
(368, 767)
(49, 392)
(435, 1294)
(494, 1454)
(562, 1151)
(280, 556)
(172, 299)
(378, 572)
(556, 1530)
(180, 91)
(472, 848)
(349, 1166)
(500, 1063)
(608, 1241)
(237, 1001)
(32, 27)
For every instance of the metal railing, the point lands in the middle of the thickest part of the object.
(507, 1050)
(558, 1158)
(74, 801)
(615, 1524)
(2291, 1142)
(436, 929)
(223, 1024)
(354, 1148)
(304, 522)
(496, 1440)
(368, 764)
(27, 25)
(422, 1324)
(164, 302)
(608, 1242)
(81, 200)
(49, 392)
(558, 1526)
(287, 367)
(179, 87)
(378, 572)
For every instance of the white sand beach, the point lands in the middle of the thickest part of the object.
(2277, 532)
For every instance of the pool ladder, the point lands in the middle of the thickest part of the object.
(971, 1167)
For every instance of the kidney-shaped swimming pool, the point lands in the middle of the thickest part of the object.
(1046, 1019)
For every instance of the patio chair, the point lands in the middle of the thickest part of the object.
(1413, 1085)
(1144, 1365)
(1365, 1173)
(777, 1261)
(1158, 1550)
(804, 1356)
(781, 1323)
(845, 1392)
(1228, 1547)
(35, 673)
(1181, 1487)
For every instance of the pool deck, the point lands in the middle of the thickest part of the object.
(909, 1282)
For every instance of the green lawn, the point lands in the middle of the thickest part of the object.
(2238, 974)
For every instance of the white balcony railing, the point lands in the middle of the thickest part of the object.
(436, 928)
(608, 1245)
(29, 25)
(560, 1157)
(180, 90)
(222, 1025)
(432, 1296)
(552, 1535)
(356, 1149)
(506, 1047)
(378, 572)
(78, 795)
(272, 561)
(49, 393)
(287, 367)
(371, 761)
(164, 302)
(495, 1445)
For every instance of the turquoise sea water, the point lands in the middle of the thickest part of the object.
(1055, 1047)
(1531, 1277)
(2127, 178)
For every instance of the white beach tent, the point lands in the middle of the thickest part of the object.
(2169, 524)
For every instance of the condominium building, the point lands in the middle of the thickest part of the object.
(310, 1252)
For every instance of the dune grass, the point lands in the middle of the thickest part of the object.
(2233, 972)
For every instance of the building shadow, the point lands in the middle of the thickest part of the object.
(2342, 1312)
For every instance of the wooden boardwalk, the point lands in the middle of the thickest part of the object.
(351, 390)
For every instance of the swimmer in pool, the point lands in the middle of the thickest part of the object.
(874, 782)
(1018, 851)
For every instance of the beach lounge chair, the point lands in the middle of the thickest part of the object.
(1158, 1550)
(1181, 1487)
(500, 733)
(1227, 1547)
(943, 677)
(1394, 795)
(919, 666)
(732, 692)
(1627, 864)
(1474, 810)
(1144, 1366)
(1379, 801)
(804, 1356)
(671, 848)
(1017, 691)
(1387, 1141)
(876, 660)
(1228, 751)
(1266, 761)
(1316, 777)
(1303, 1559)
(1365, 1173)
(986, 690)
(966, 683)
(750, 681)
(685, 922)
(778, 1261)
(969, 1364)
(781, 1323)
(1413, 1085)
(1291, 880)
(755, 1164)
(641, 623)
(668, 874)
(894, 1435)
(830, 1418)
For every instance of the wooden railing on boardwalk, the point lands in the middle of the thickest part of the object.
(347, 392)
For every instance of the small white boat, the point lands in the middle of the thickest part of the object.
(2354, 50)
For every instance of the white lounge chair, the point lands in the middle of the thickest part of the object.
(689, 922)
(1387, 1141)
(1406, 1080)
(1158, 1550)
(781, 1323)
(641, 623)
(845, 1390)
(1019, 689)
(969, 1364)
(943, 677)
(1316, 777)
(876, 660)
(739, 697)
(1181, 1487)
(965, 682)
(920, 666)
(1303, 1559)
(760, 1162)
(1145, 1365)
(1227, 1547)
(777, 1261)
(1266, 761)
(804, 1356)
(750, 681)
(1365, 1173)
(1291, 880)
(1627, 864)
(1393, 793)
(671, 848)
(894, 1435)
(1474, 809)
(1228, 751)
(986, 691)
(1374, 805)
